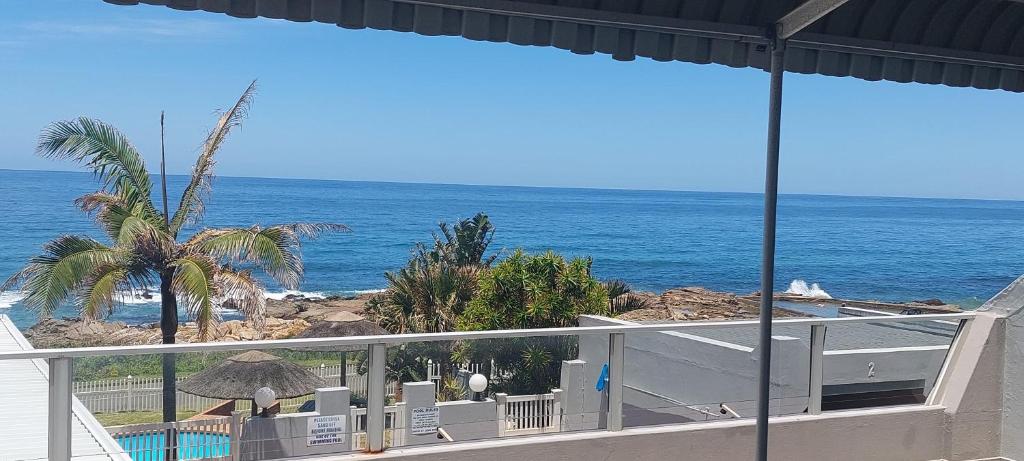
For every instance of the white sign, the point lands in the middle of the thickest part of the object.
(325, 430)
(425, 420)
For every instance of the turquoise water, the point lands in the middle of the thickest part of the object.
(191, 445)
(961, 251)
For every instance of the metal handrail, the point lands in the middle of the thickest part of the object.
(452, 336)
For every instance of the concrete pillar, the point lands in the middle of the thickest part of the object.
(790, 376)
(418, 395)
(333, 400)
(572, 384)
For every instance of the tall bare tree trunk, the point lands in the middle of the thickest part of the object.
(343, 379)
(168, 328)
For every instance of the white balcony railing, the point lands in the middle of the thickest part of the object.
(60, 364)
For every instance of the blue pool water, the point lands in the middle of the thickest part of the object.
(191, 445)
(891, 249)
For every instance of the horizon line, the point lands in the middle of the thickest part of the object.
(595, 188)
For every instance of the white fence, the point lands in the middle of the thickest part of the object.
(218, 438)
(529, 414)
(146, 393)
(213, 439)
(394, 426)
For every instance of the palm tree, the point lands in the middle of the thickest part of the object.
(213, 267)
(621, 298)
(429, 293)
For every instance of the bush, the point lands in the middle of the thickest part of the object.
(530, 291)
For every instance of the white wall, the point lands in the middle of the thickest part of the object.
(892, 434)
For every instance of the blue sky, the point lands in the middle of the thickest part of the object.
(371, 105)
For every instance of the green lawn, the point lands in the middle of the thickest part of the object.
(137, 417)
(93, 368)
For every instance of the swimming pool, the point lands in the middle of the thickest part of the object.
(191, 445)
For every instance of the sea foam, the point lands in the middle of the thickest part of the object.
(800, 287)
(7, 299)
(279, 295)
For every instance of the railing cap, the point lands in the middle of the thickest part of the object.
(451, 336)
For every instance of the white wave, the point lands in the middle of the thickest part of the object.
(800, 287)
(279, 295)
(145, 297)
(8, 299)
(369, 292)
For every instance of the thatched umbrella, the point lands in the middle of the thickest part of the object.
(342, 324)
(239, 377)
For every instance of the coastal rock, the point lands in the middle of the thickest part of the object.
(312, 309)
(697, 303)
(61, 333)
(285, 318)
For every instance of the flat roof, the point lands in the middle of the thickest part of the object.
(848, 337)
(960, 43)
(23, 410)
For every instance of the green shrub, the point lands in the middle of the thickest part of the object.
(529, 291)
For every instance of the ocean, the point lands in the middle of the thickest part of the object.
(892, 249)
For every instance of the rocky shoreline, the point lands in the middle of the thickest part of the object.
(292, 315)
(285, 318)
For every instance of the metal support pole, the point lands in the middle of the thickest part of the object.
(58, 434)
(375, 398)
(616, 364)
(771, 191)
(817, 354)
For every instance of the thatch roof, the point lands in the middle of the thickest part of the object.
(239, 377)
(339, 325)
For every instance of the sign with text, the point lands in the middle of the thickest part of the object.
(425, 420)
(325, 430)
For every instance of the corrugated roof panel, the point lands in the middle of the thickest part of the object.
(23, 410)
(953, 42)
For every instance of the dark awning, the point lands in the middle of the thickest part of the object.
(977, 43)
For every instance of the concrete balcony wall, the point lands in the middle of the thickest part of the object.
(891, 434)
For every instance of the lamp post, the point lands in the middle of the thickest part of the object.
(477, 384)
(263, 398)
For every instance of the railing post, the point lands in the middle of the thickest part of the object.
(556, 410)
(502, 404)
(375, 398)
(235, 438)
(131, 394)
(58, 435)
(353, 424)
(616, 363)
(398, 430)
(816, 378)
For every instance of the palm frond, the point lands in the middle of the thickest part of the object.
(129, 226)
(67, 262)
(244, 293)
(315, 230)
(275, 249)
(193, 285)
(97, 201)
(193, 199)
(103, 149)
(102, 290)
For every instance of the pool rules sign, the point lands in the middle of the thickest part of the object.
(325, 430)
(424, 420)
